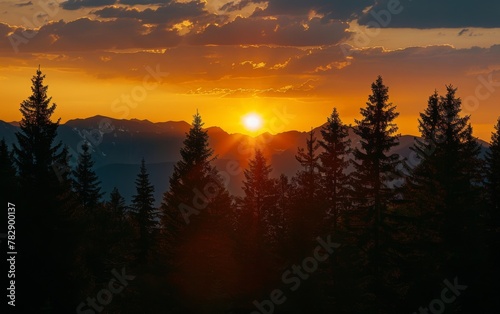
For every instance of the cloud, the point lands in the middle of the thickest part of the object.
(169, 13)
(283, 31)
(239, 5)
(78, 4)
(330, 9)
(24, 4)
(4, 30)
(136, 2)
(289, 90)
(434, 14)
(90, 35)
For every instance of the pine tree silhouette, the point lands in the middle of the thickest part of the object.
(86, 183)
(442, 190)
(374, 168)
(144, 214)
(308, 209)
(334, 163)
(116, 204)
(196, 189)
(44, 221)
(195, 222)
(493, 173)
(258, 200)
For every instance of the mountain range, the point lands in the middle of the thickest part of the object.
(119, 145)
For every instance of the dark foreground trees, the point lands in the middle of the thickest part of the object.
(196, 227)
(45, 213)
(211, 253)
(144, 215)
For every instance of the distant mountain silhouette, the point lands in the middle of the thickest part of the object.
(119, 145)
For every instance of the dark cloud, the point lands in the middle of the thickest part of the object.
(4, 30)
(283, 31)
(78, 4)
(136, 2)
(90, 35)
(331, 9)
(24, 4)
(434, 14)
(170, 13)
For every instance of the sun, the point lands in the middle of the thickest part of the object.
(252, 122)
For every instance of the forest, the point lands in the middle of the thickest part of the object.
(356, 230)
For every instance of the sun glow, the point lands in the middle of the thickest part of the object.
(252, 122)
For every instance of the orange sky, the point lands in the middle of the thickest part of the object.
(290, 63)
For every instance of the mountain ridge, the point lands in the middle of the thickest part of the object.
(118, 145)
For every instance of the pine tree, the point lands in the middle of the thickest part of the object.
(116, 204)
(97, 239)
(446, 180)
(306, 210)
(492, 219)
(442, 195)
(120, 231)
(196, 194)
(309, 177)
(374, 168)
(145, 214)
(334, 163)
(195, 220)
(261, 218)
(493, 173)
(35, 152)
(86, 183)
(373, 165)
(258, 200)
(42, 208)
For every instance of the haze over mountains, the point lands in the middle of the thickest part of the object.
(119, 145)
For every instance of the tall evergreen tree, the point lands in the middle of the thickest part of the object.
(145, 214)
(492, 216)
(373, 164)
(307, 210)
(493, 173)
(374, 168)
(42, 209)
(86, 183)
(196, 189)
(258, 200)
(445, 180)
(195, 213)
(334, 163)
(36, 152)
(442, 191)
(116, 204)
(309, 176)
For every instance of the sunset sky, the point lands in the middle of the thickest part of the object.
(289, 61)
